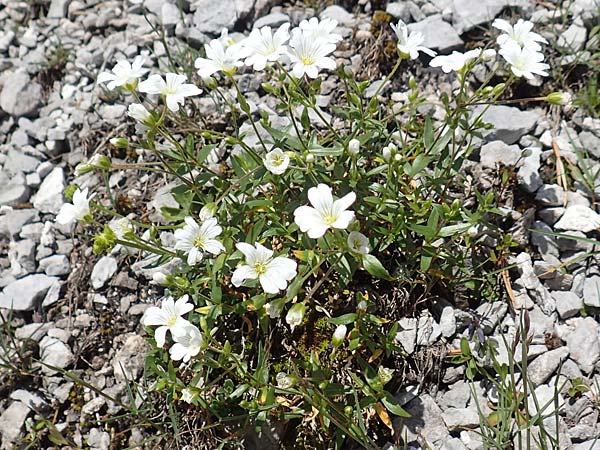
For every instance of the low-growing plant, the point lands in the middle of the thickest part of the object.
(303, 233)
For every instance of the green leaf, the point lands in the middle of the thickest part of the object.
(417, 166)
(343, 320)
(204, 152)
(392, 406)
(375, 268)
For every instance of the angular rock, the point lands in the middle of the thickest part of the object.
(438, 34)
(58, 9)
(338, 13)
(426, 420)
(17, 161)
(544, 366)
(457, 418)
(573, 38)
(24, 293)
(497, 152)
(568, 304)
(49, 197)
(14, 192)
(591, 291)
(55, 353)
(529, 173)
(579, 218)
(20, 95)
(12, 222)
(467, 14)
(272, 20)
(129, 360)
(510, 123)
(211, 17)
(103, 270)
(550, 195)
(55, 265)
(584, 344)
(11, 421)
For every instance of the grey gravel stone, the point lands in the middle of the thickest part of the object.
(542, 367)
(529, 173)
(24, 293)
(55, 265)
(398, 10)
(211, 17)
(593, 444)
(438, 33)
(584, 344)
(457, 418)
(58, 9)
(550, 195)
(579, 218)
(98, 440)
(272, 20)
(568, 304)
(12, 222)
(11, 421)
(591, 291)
(426, 420)
(17, 161)
(129, 359)
(573, 38)
(55, 353)
(35, 331)
(467, 14)
(14, 192)
(49, 197)
(510, 123)
(497, 152)
(20, 95)
(103, 270)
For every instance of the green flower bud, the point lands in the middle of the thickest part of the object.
(559, 98)
(339, 335)
(119, 142)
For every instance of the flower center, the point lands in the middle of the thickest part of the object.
(260, 268)
(200, 242)
(307, 60)
(172, 321)
(329, 218)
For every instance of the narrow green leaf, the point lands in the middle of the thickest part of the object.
(375, 268)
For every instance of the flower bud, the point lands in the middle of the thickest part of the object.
(354, 146)
(119, 142)
(284, 380)
(295, 315)
(309, 158)
(387, 154)
(339, 335)
(559, 98)
(210, 83)
(207, 212)
(159, 278)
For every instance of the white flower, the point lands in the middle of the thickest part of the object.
(196, 239)
(410, 44)
(523, 62)
(276, 161)
(187, 395)
(207, 212)
(273, 273)
(265, 46)
(325, 212)
(308, 55)
(77, 210)
(188, 343)
(138, 112)
(519, 33)
(358, 243)
(323, 29)
(284, 381)
(123, 73)
(168, 317)
(174, 89)
(295, 315)
(220, 58)
(159, 278)
(456, 61)
(120, 227)
(354, 146)
(339, 335)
